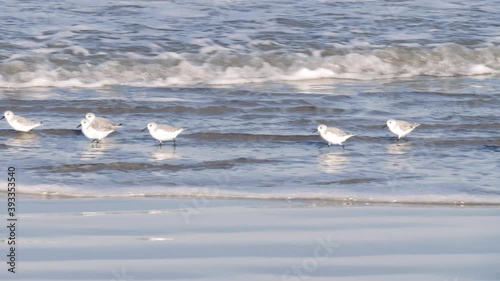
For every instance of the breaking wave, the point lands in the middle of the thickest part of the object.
(78, 67)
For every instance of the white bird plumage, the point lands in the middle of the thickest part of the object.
(19, 123)
(400, 128)
(85, 124)
(101, 123)
(333, 135)
(163, 132)
(97, 129)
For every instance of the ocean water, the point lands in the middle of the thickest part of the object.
(250, 81)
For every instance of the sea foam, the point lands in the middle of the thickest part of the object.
(218, 65)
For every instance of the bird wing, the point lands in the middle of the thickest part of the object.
(25, 121)
(337, 132)
(101, 125)
(405, 126)
(168, 128)
(107, 121)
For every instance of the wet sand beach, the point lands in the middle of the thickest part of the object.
(201, 239)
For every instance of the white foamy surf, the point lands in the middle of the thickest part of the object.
(225, 66)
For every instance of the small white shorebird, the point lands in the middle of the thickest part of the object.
(100, 122)
(333, 135)
(400, 128)
(19, 123)
(85, 124)
(96, 133)
(163, 132)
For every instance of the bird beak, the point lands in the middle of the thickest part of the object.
(384, 126)
(2, 117)
(144, 129)
(78, 126)
(315, 130)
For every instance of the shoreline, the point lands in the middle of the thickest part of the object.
(333, 201)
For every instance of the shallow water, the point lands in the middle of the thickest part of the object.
(250, 81)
